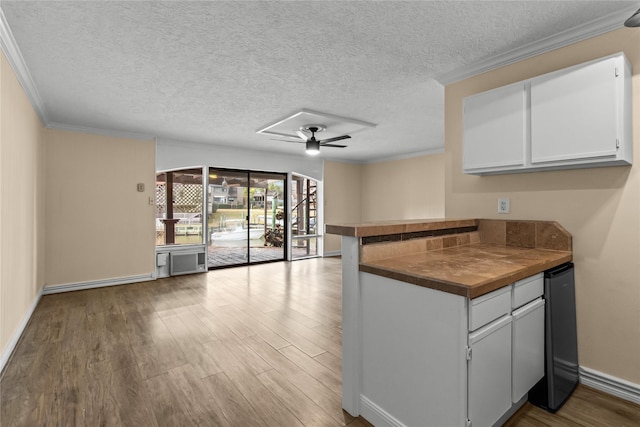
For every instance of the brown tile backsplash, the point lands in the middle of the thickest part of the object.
(434, 243)
(449, 241)
(521, 234)
(493, 231)
(383, 250)
(381, 239)
(376, 252)
(416, 235)
(550, 235)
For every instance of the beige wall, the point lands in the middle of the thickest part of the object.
(600, 207)
(342, 198)
(21, 205)
(98, 226)
(410, 188)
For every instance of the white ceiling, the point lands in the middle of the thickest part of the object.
(216, 72)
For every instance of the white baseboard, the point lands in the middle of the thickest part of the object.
(331, 253)
(376, 415)
(11, 345)
(610, 384)
(56, 289)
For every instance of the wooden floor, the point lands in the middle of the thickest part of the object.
(585, 407)
(247, 346)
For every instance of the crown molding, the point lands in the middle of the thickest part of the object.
(14, 56)
(97, 131)
(604, 24)
(335, 159)
(433, 151)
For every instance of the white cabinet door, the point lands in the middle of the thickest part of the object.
(494, 129)
(577, 117)
(489, 373)
(573, 114)
(528, 348)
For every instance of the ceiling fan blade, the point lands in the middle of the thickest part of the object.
(302, 135)
(337, 138)
(296, 141)
(333, 145)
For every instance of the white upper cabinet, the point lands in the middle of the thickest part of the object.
(573, 118)
(494, 129)
(573, 114)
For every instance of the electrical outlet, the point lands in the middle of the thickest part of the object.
(503, 206)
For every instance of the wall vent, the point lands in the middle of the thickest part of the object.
(187, 262)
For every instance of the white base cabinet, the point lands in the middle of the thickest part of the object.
(489, 372)
(528, 348)
(577, 117)
(430, 358)
(413, 359)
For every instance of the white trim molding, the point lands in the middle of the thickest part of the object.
(15, 338)
(328, 254)
(15, 58)
(433, 151)
(56, 289)
(97, 131)
(610, 384)
(376, 415)
(604, 24)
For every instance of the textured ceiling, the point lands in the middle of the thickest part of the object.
(216, 72)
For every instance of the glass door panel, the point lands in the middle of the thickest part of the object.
(304, 233)
(227, 216)
(267, 217)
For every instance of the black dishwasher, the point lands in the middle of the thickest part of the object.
(561, 342)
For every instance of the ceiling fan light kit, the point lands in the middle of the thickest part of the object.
(313, 145)
(634, 20)
(313, 148)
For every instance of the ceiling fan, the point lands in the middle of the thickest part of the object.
(312, 144)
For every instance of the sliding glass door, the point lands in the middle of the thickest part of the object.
(246, 217)
(227, 214)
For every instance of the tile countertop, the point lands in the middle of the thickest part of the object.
(501, 251)
(470, 270)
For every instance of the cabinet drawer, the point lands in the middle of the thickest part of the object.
(527, 290)
(489, 307)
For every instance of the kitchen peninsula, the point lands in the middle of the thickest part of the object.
(419, 295)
